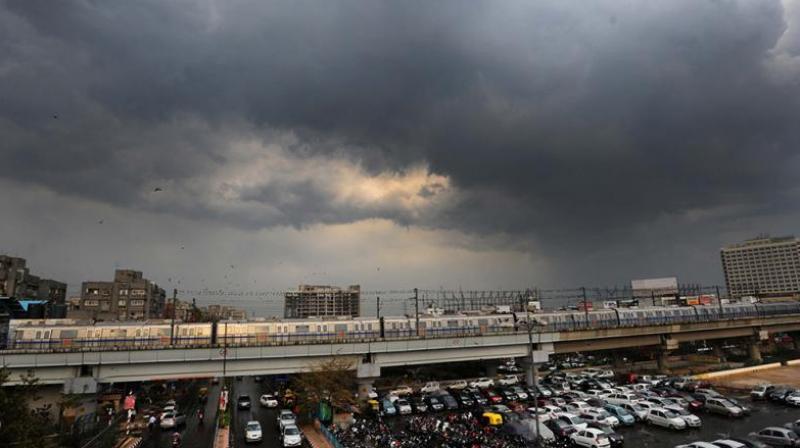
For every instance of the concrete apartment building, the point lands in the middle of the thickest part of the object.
(763, 267)
(17, 281)
(322, 301)
(129, 296)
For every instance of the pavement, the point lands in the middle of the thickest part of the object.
(786, 376)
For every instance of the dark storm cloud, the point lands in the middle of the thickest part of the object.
(552, 119)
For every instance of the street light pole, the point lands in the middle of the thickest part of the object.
(529, 324)
(416, 308)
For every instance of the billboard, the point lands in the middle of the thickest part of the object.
(654, 286)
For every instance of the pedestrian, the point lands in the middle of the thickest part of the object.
(151, 423)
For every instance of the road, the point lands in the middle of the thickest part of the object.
(194, 434)
(267, 417)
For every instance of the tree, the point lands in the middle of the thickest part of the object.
(22, 425)
(330, 381)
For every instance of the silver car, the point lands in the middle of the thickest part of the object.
(776, 436)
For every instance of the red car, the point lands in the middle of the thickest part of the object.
(493, 397)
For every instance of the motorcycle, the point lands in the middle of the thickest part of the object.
(176, 440)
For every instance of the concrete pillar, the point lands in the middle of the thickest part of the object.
(527, 368)
(719, 353)
(491, 369)
(795, 340)
(755, 351)
(365, 385)
(366, 374)
(662, 361)
(618, 359)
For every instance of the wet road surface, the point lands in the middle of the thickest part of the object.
(193, 434)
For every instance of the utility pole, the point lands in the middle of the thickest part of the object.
(585, 305)
(529, 324)
(378, 307)
(719, 299)
(653, 296)
(225, 352)
(416, 308)
(172, 324)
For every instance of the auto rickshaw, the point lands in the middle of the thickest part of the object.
(492, 419)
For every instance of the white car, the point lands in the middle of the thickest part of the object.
(172, 420)
(268, 401)
(728, 443)
(700, 445)
(402, 390)
(600, 416)
(691, 420)
(620, 397)
(793, 399)
(252, 432)
(590, 438)
(458, 385)
(286, 418)
(572, 420)
(577, 407)
(430, 387)
(665, 418)
(482, 383)
(169, 408)
(638, 411)
(292, 436)
(403, 406)
(508, 380)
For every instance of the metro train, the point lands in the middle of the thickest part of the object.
(66, 334)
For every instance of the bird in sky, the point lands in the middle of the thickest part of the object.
(100, 222)
(157, 189)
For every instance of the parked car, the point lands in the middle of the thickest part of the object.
(572, 419)
(692, 421)
(419, 405)
(521, 393)
(434, 404)
(560, 428)
(401, 391)
(600, 416)
(665, 418)
(430, 387)
(590, 438)
(616, 439)
(458, 385)
(268, 401)
(252, 432)
(508, 380)
(292, 436)
(723, 406)
(450, 403)
(624, 417)
(387, 407)
(761, 391)
(482, 383)
(638, 411)
(792, 399)
(466, 400)
(777, 436)
(403, 406)
(779, 394)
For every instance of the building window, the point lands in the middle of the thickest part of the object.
(122, 303)
(90, 303)
(137, 302)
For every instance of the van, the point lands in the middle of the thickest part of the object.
(430, 387)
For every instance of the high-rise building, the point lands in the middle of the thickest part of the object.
(323, 301)
(763, 267)
(17, 281)
(129, 297)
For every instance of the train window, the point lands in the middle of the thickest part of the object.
(452, 323)
(138, 333)
(38, 335)
(319, 328)
(340, 327)
(369, 326)
(301, 329)
(325, 328)
(69, 334)
(47, 334)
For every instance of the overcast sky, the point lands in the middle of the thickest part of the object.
(501, 144)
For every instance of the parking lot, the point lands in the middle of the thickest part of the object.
(460, 421)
